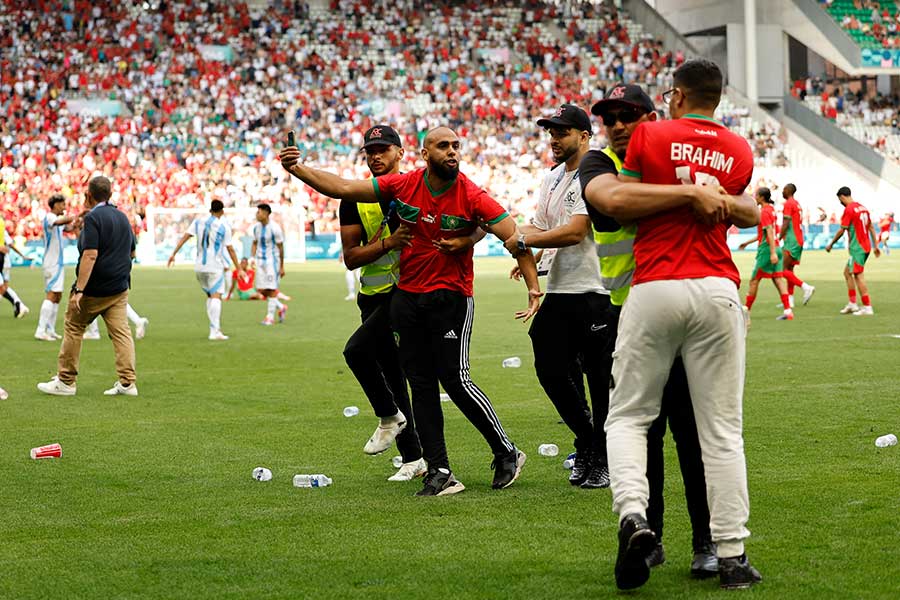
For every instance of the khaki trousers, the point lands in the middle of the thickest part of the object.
(701, 320)
(113, 311)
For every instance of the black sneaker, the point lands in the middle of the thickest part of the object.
(507, 469)
(657, 556)
(636, 542)
(581, 468)
(737, 573)
(705, 564)
(597, 478)
(440, 482)
(17, 308)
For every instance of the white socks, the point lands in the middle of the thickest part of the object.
(132, 314)
(271, 307)
(214, 310)
(350, 276)
(47, 316)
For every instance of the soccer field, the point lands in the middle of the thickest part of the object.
(153, 496)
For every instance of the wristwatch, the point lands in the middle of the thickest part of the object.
(520, 243)
(75, 290)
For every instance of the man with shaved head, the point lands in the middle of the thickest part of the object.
(432, 310)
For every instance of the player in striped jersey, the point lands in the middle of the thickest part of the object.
(268, 248)
(213, 235)
(54, 272)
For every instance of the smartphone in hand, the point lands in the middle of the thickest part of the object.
(291, 141)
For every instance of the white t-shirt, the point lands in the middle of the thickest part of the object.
(53, 243)
(267, 238)
(213, 237)
(575, 269)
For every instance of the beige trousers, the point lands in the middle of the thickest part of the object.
(113, 311)
(700, 319)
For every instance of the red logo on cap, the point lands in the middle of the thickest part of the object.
(617, 93)
(376, 133)
(559, 111)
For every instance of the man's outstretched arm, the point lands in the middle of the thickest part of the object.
(354, 190)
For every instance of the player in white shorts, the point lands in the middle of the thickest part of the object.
(268, 248)
(54, 272)
(6, 244)
(213, 235)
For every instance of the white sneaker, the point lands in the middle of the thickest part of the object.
(88, 335)
(54, 335)
(140, 330)
(864, 311)
(349, 296)
(268, 321)
(44, 336)
(808, 291)
(851, 307)
(55, 387)
(23, 311)
(409, 471)
(3, 394)
(215, 334)
(385, 434)
(121, 390)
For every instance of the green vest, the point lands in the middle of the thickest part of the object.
(381, 275)
(615, 250)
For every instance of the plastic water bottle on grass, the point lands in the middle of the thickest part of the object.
(513, 362)
(397, 461)
(351, 411)
(570, 461)
(886, 440)
(311, 481)
(548, 449)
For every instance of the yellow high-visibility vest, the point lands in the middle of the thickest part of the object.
(615, 250)
(381, 275)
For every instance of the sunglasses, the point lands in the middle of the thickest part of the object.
(624, 116)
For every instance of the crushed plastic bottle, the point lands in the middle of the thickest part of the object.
(570, 461)
(513, 362)
(311, 481)
(548, 449)
(262, 474)
(351, 411)
(397, 461)
(445, 397)
(886, 440)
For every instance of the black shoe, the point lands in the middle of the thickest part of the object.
(507, 469)
(657, 556)
(597, 478)
(737, 573)
(581, 468)
(17, 308)
(636, 542)
(440, 482)
(705, 564)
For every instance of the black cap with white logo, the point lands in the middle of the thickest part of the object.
(381, 135)
(567, 115)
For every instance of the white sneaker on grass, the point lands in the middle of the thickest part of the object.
(92, 335)
(55, 387)
(409, 471)
(121, 390)
(851, 307)
(864, 311)
(808, 291)
(215, 334)
(140, 330)
(385, 434)
(44, 336)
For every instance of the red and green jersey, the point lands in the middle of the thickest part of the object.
(433, 214)
(244, 282)
(886, 222)
(856, 221)
(792, 211)
(694, 149)
(767, 220)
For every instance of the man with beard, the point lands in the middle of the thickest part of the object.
(432, 311)
(570, 334)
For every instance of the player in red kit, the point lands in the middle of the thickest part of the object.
(884, 234)
(769, 256)
(683, 302)
(858, 225)
(792, 240)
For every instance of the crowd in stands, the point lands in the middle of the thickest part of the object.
(204, 92)
(872, 24)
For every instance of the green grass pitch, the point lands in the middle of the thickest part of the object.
(153, 496)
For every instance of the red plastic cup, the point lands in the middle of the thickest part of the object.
(51, 451)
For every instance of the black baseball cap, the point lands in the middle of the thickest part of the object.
(568, 115)
(381, 135)
(628, 94)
